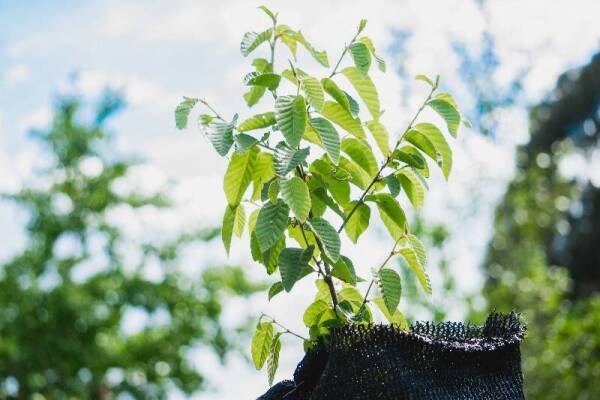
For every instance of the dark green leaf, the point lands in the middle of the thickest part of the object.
(292, 263)
(328, 236)
(271, 223)
(390, 287)
(252, 40)
(287, 159)
(290, 114)
(328, 136)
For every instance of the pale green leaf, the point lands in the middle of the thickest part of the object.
(252, 40)
(253, 95)
(396, 318)
(290, 114)
(418, 269)
(344, 270)
(328, 136)
(257, 121)
(381, 136)
(292, 262)
(313, 312)
(336, 93)
(267, 80)
(426, 79)
(328, 236)
(273, 359)
(268, 12)
(358, 176)
(263, 172)
(294, 193)
(410, 158)
(412, 187)
(239, 220)
(322, 291)
(440, 145)
(448, 112)
(320, 56)
(380, 61)
(220, 134)
(261, 343)
(273, 191)
(421, 142)
(239, 175)
(182, 112)
(228, 226)
(422, 166)
(287, 159)
(358, 222)
(391, 214)
(270, 224)
(339, 116)
(365, 88)
(361, 153)
(361, 56)
(314, 91)
(419, 248)
(252, 220)
(390, 288)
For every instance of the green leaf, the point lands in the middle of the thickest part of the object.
(239, 175)
(261, 343)
(314, 91)
(182, 112)
(322, 291)
(393, 184)
(365, 88)
(362, 25)
(287, 36)
(421, 142)
(320, 56)
(328, 236)
(253, 95)
(336, 93)
(220, 134)
(412, 260)
(390, 288)
(270, 224)
(275, 289)
(313, 312)
(425, 79)
(273, 359)
(380, 61)
(252, 220)
(361, 56)
(294, 193)
(396, 318)
(268, 12)
(287, 159)
(358, 176)
(273, 191)
(257, 121)
(252, 40)
(358, 222)
(292, 262)
(262, 173)
(412, 187)
(227, 226)
(440, 145)
(344, 270)
(360, 152)
(243, 142)
(412, 159)
(290, 114)
(419, 249)
(328, 136)
(239, 220)
(339, 116)
(205, 119)
(381, 136)
(391, 214)
(270, 258)
(267, 80)
(448, 113)
(423, 168)
(354, 107)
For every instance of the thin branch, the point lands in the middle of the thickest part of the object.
(339, 61)
(377, 176)
(212, 109)
(284, 328)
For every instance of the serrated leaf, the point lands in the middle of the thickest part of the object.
(419, 248)
(381, 136)
(243, 142)
(275, 289)
(344, 270)
(239, 175)
(339, 116)
(290, 114)
(354, 107)
(336, 93)
(425, 78)
(270, 224)
(412, 159)
(220, 134)
(328, 136)
(418, 269)
(422, 143)
(257, 121)
(380, 61)
(239, 220)
(395, 318)
(261, 343)
(182, 112)
(390, 288)
(228, 226)
(412, 187)
(313, 90)
(328, 236)
(292, 262)
(320, 56)
(252, 220)
(287, 159)
(361, 56)
(440, 145)
(391, 214)
(273, 191)
(286, 35)
(365, 88)
(448, 112)
(424, 169)
(357, 175)
(273, 359)
(313, 312)
(360, 152)
(270, 258)
(358, 222)
(263, 172)
(294, 193)
(267, 80)
(252, 40)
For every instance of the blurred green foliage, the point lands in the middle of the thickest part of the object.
(62, 336)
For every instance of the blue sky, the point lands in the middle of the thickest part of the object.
(158, 51)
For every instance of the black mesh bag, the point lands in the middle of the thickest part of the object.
(446, 361)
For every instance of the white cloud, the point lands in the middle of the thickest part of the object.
(16, 73)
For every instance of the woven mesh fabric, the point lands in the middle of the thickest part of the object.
(428, 362)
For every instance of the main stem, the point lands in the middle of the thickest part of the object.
(387, 161)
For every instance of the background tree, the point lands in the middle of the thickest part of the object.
(62, 336)
(547, 220)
